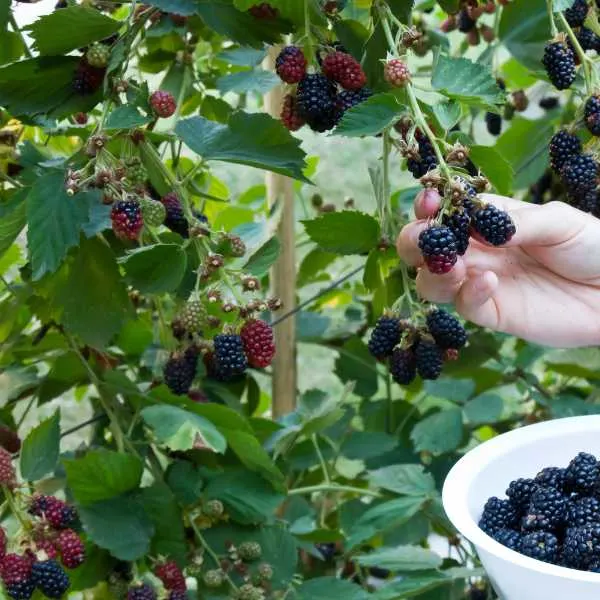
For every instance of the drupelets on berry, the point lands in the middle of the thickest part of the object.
(175, 218)
(429, 359)
(7, 471)
(509, 538)
(439, 249)
(446, 330)
(71, 548)
(163, 103)
(583, 511)
(290, 115)
(180, 370)
(229, 359)
(498, 514)
(259, 346)
(459, 223)
(385, 336)
(403, 366)
(171, 576)
(520, 490)
(344, 69)
(547, 510)
(315, 98)
(396, 72)
(580, 173)
(348, 99)
(141, 591)
(494, 225)
(583, 473)
(97, 55)
(540, 545)
(50, 578)
(592, 115)
(577, 13)
(563, 146)
(290, 65)
(127, 220)
(426, 161)
(559, 61)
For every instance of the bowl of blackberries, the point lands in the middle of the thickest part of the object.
(529, 502)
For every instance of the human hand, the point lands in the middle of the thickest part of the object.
(542, 286)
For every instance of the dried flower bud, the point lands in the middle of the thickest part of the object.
(411, 36)
(213, 296)
(274, 303)
(520, 100)
(250, 284)
(95, 143)
(215, 261)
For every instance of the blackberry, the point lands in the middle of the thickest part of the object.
(229, 359)
(459, 223)
(163, 103)
(576, 15)
(290, 116)
(559, 61)
(348, 99)
(257, 337)
(584, 511)
(385, 336)
(175, 219)
(594, 566)
(403, 366)
(552, 477)
(249, 551)
(438, 246)
(180, 370)
(21, 591)
(509, 538)
(563, 146)
(446, 330)
(549, 103)
(587, 201)
(141, 591)
(427, 159)
(493, 122)
(7, 471)
(580, 173)
(87, 79)
(171, 576)
(582, 473)
(2, 542)
(315, 96)
(581, 546)
(50, 578)
(327, 550)
(588, 39)
(494, 225)
(97, 55)
(177, 595)
(540, 545)
(592, 115)
(193, 317)
(344, 69)
(127, 220)
(547, 510)
(153, 212)
(498, 514)
(520, 490)
(290, 65)
(72, 549)
(14, 568)
(58, 514)
(465, 22)
(429, 358)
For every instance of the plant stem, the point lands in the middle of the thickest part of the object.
(10, 180)
(586, 63)
(333, 487)
(315, 443)
(15, 27)
(309, 45)
(390, 402)
(553, 28)
(14, 508)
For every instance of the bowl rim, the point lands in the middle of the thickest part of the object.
(457, 483)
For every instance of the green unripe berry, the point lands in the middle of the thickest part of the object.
(98, 55)
(153, 211)
(214, 578)
(193, 317)
(249, 551)
(213, 508)
(265, 571)
(136, 174)
(249, 592)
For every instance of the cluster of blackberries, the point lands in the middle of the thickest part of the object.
(410, 350)
(442, 244)
(320, 99)
(554, 517)
(577, 170)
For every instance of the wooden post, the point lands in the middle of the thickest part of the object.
(283, 275)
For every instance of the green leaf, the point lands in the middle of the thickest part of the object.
(370, 117)
(326, 588)
(162, 509)
(485, 408)
(356, 364)
(410, 480)
(40, 450)
(243, 56)
(185, 481)
(353, 36)
(264, 258)
(466, 81)
(497, 169)
(576, 362)
(345, 232)
(244, 82)
(11, 45)
(12, 219)
(401, 558)
(54, 221)
(97, 567)
(102, 474)
(179, 7)
(94, 298)
(362, 445)
(119, 525)
(447, 113)
(155, 269)
(413, 585)
(440, 432)
(179, 429)
(402, 9)
(257, 140)
(84, 26)
(126, 117)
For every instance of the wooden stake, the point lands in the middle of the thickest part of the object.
(283, 275)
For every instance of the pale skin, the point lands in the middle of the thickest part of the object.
(543, 286)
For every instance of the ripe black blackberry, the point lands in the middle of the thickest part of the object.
(493, 122)
(347, 99)
(581, 546)
(439, 249)
(592, 115)
(22, 590)
(559, 61)
(316, 102)
(588, 39)
(141, 591)
(180, 370)
(582, 473)
(520, 490)
(587, 201)
(427, 159)
(465, 22)
(175, 219)
(50, 578)
(385, 336)
(459, 223)
(87, 79)
(552, 477)
(547, 510)
(549, 103)
(509, 538)
(494, 225)
(576, 15)
(403, 366)
(230, 360)
(498, 514)
(540, 545)
(563, 146)
(429, 358)
(447, 330)
(583, 511)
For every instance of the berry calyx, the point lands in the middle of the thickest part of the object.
(171, 576)
(257, 338)
(290, 65)
(163, 103)
(559, 61)
(494, 225)
(396, 72)
(127, 220)
(344, 69)
(50, 578)
(290, 115)
(439, 248)
(71, 548)
(98, 55)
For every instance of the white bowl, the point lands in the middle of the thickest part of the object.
(486, 471)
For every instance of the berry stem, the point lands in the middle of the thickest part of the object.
(332, 487)
(586, 63)
(553, 27)
(10, 180)
(315, 443)
(10, 499)
(309, 50)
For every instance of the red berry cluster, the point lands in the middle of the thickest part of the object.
(172, 578)
(126, 218)
(163, 103)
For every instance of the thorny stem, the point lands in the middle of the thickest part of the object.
(586, 63)
(332, 487)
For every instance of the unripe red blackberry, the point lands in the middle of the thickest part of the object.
(257, 337)
(48, 547)
(344, 69)
(438, 245)
(59, 514)
(163, 103)
(180, 370)
(263, 11)
(592, 114)
(403, 366)
(171, 576)
(127, 220)
(396, 72)
(580, 173)
(153, 212)
(494, 225)
(459, 223)
(315, 97)
(290, 116)
(559, 61)
(7, 471)
(141, 591)
(71, 548)
(14, 568)
(429, 358)
(2, 542)
(97, 55)
(175, 219)
(214, 578)
(87, 78)
(385, 336)
(230, 362)
(446, 330)
(290, 65)
(577, 14)
(563, 146)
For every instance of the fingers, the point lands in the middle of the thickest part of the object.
(441, 288)
(475, 300)
(407, 243)
(427, 203)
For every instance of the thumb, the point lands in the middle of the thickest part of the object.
(475, 299)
